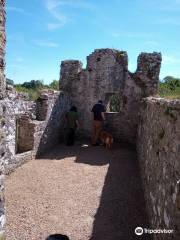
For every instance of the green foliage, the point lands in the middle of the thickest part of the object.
(33, 84)
(34, 87)
(54, 85)
(172, 82)
(170, 87)
(32, 93)
(115, 104)
(19, 88)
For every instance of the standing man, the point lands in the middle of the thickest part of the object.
(72, 123)
(98, 111)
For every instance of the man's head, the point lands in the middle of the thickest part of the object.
(73, 109)
(57, 237)
(100, 102)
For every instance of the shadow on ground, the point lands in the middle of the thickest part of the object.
(122, 205)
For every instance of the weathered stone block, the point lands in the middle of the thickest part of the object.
(158, 152)
(107, 74)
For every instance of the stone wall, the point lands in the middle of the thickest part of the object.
(31, 128)
(2, 163)
(107, 74)
(158, 148)
(120, 127)
(49, 132)
(2, 48)
(12, 108)
(2, 122)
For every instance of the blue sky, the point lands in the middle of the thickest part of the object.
(42, 33)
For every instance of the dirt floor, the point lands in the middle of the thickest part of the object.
(87, 193)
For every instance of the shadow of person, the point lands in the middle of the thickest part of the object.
(57, 237)
(95, 156)
(81, 153)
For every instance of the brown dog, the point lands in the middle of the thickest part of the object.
(106, 138)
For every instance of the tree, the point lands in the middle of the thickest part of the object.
(33, 84)
(171, 82)
(54, 85)
(169, 87)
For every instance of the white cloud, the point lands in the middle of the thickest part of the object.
(54, 7)
(15, 9)
(16, 66)
(19, 60)
(51, 4)
(45, 43)
(53, 26)
(167, 60)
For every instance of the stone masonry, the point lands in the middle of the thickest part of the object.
(107, 74)
(158, 148)
(2, 48)
(28, 129)
(2, 122)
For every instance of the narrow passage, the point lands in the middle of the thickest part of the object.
(87, 193)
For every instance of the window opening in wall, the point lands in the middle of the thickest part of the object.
(113, 102)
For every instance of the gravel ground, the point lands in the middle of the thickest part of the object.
(87, 193)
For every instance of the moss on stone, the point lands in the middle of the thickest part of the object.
(2, 237)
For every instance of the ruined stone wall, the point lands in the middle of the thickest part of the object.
(49, 132)
(2, 48)
(107, 74)
(31, 128)
(158, 148)
(2, 134)
(12, 108)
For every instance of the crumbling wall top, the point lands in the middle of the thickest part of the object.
(147, 73)
(106, 58)
(149, 64)
(2, 48)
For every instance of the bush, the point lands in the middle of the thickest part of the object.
(54, 85)
(115, 104)
(170, 87)
(34, 87)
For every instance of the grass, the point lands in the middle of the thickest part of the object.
(33, 94)
(166, 92)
